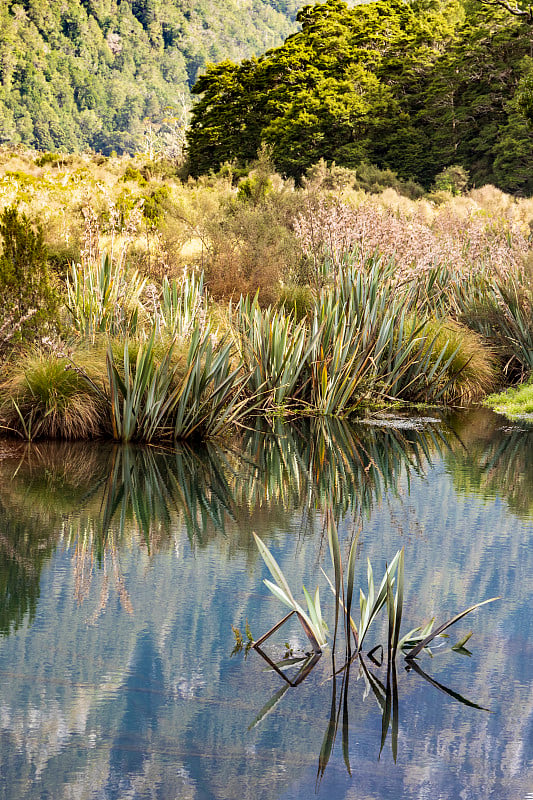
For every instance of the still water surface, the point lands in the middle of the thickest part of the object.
(122, 571)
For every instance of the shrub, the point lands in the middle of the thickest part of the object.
(29, 298)
(453, 179)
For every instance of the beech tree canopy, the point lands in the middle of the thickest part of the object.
(413, 87)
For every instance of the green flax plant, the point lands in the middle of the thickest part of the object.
(273, 349)
(442, 291)
(181, 304)
(410, 361)
(143, 395)
(159, 399)
(369, 342)
(503, 314)
(211, 395)
(103, 298)
(339, 360)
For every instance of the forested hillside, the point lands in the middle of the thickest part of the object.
(413, 87)
(87, 73)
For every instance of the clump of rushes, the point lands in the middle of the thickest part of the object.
(471, 371)
(45, 396)
(296, 300)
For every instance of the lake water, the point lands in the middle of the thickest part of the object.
(123, 570)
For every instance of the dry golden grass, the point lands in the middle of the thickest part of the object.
(44, 396)
(246, 246)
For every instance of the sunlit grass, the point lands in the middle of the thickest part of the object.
(515, 402)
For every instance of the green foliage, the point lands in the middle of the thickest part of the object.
(365, 177)
(154, 205)
(115, 76)
(29, 298)
(210, 398)
(181, 306)
(514, 402)
(296, 300)
(45, 396)
(313, 623)
(273, 349)
(101, 298)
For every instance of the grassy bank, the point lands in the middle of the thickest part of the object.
(143, 308)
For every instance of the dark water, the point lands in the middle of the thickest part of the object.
(123, 570)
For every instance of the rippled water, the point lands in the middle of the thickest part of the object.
(122, 571)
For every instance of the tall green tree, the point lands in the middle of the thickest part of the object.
(413, 87)
(338, 89)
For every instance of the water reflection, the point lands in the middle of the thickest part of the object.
(123, 569)
(306, 466)
(494, 463)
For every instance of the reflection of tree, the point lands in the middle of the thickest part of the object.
(24, 547)
(492, 459)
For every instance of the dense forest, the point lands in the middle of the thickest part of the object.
(413, 87)
(89, 73)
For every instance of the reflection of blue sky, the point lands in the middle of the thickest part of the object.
(150, 704)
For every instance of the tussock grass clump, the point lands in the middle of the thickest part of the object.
(44, 396)
(471, 371)
(296, 300)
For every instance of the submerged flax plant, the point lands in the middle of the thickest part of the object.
(389, 596)
(312, 623)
